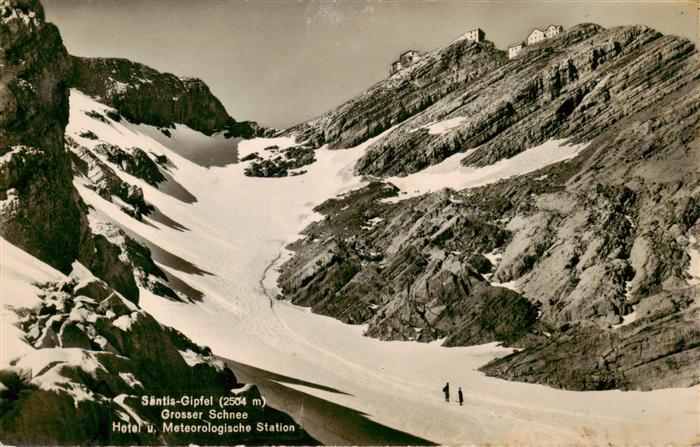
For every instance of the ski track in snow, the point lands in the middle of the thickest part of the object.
(240, 225)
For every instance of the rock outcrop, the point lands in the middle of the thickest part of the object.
(39, 208)
(281, 163)
(144, 95)
(412, 272)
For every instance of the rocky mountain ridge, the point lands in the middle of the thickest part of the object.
(402, 95)
(572, 86)
(144, 95)
(586, 260)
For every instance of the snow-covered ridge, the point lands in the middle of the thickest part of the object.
(29, 344)
(205, 150)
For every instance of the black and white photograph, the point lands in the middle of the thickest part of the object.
(374, 223)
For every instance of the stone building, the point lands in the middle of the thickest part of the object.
(406, 59)
(535, 36)
(475, 35)
(515, 49)
(553, 30)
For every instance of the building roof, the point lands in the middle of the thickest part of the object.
(408, 51)
(516, 44)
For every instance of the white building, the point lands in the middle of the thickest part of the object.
(406, 59)
(553, 30)
(409, 58)
(515, 49)
(535, 36)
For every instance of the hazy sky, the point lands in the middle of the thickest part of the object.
(280, 63)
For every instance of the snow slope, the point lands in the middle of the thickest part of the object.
(238, 228)
(450, 173)
(445, 126)
(19, 272)
(19, 275)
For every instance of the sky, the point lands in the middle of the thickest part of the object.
(283, 62)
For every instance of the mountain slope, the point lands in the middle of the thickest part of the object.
(407, 92)
(599, 247)
(573, 86)
(77, 350)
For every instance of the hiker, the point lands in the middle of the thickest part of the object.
(460, 396)
(446, 390)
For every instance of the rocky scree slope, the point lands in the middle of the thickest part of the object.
(597, 249)
(93, 350)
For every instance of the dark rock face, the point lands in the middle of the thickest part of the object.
(645, 355)
(144, 95)
(107, 264)
(589, 244)
(40, 210)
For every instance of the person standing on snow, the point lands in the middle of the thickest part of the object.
(446, 390)
(460, 396)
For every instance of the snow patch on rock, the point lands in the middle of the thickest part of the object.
(450, 173)
(445, 126)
